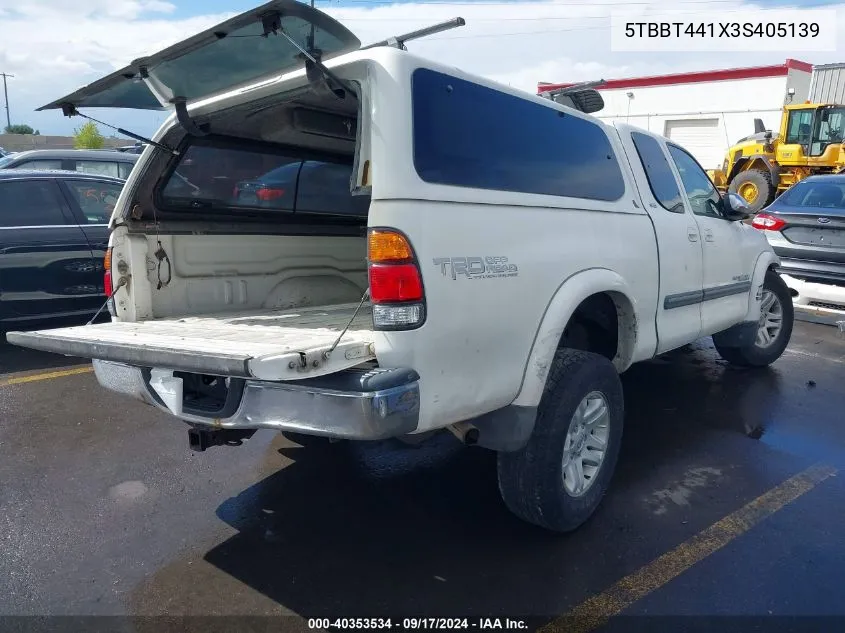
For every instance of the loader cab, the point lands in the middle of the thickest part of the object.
(811, 135)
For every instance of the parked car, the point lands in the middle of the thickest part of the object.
(506, 257)
(317, 187)
(53, 237)
(102, 162)
(137, 148)
(806, 228)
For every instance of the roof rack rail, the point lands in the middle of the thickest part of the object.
(398, 41)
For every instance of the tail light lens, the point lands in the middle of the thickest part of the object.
(107, 283)
(266, 194)
(390, 283)
(396, 288)
(766, 222)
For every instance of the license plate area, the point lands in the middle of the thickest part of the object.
(831, 238)
(203, 395)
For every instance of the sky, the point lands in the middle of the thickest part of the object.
(54, 47)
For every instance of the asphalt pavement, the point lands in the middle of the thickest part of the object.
(726, 501)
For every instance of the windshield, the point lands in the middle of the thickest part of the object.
(5, 161)
(816, 194)
(231, 178)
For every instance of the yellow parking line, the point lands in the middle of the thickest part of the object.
(595, 612)
(47, 375)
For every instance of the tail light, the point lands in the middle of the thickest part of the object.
(396, 288)
(766, 222)
(107, 283)
(266, 194)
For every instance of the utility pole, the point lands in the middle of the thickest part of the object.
(6, 95)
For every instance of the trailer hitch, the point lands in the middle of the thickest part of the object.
(201, 439)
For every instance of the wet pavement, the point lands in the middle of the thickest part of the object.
(105, 510)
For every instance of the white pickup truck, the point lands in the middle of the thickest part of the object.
(357, 243)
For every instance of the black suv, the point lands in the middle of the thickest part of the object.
(53, 237)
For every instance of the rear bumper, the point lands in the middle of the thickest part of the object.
(812, 270)
(349, 405)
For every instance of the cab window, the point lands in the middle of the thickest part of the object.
(799, 130)
(703, 197)
(831, 127)
(661, 180)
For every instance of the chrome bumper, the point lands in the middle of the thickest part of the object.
(350, 405)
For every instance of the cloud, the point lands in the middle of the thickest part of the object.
(55, 48)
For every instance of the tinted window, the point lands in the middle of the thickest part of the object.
(30, 203)
(233, 178)
(40, 164)
(324, 188)
(816, 194)
(661, 180)
(799, 129)
(95, 199)
(99, 167)
(240, 178)
(6, 160)
(472, 136)
(703, 196)
(124, 169)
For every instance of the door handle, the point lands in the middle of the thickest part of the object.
(692, 234)
(708, 235)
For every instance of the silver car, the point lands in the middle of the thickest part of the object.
(806, 228)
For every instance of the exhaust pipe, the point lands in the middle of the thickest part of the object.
(465, 432)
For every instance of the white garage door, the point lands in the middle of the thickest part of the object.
(703, 138)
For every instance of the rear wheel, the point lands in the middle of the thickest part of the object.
(774, 327)
(755, 187)
(559, 478)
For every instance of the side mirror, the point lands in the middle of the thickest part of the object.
(735, 208)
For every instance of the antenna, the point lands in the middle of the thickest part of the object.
(398, 41)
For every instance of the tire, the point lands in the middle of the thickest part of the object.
(759, 353)
(762, 180)
(532, 480)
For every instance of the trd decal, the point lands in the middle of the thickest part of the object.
(476, 267)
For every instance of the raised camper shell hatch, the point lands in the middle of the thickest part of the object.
(270, 345)
(241, 51)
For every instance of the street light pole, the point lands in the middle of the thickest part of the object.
(6, 96)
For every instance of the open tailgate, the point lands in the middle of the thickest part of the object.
(265, 345)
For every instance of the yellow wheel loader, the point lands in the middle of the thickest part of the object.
(759, 167)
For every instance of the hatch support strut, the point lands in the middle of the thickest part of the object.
(272, 24)
(69, 110)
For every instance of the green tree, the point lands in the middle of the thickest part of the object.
(88, 137)
(20, 128)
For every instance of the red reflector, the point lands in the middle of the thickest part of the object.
(107, 283)
(766, 222)
(266, 194)
(395, 282)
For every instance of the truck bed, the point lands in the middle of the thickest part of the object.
(265, 345)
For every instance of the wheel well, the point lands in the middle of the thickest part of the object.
(604, 324)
